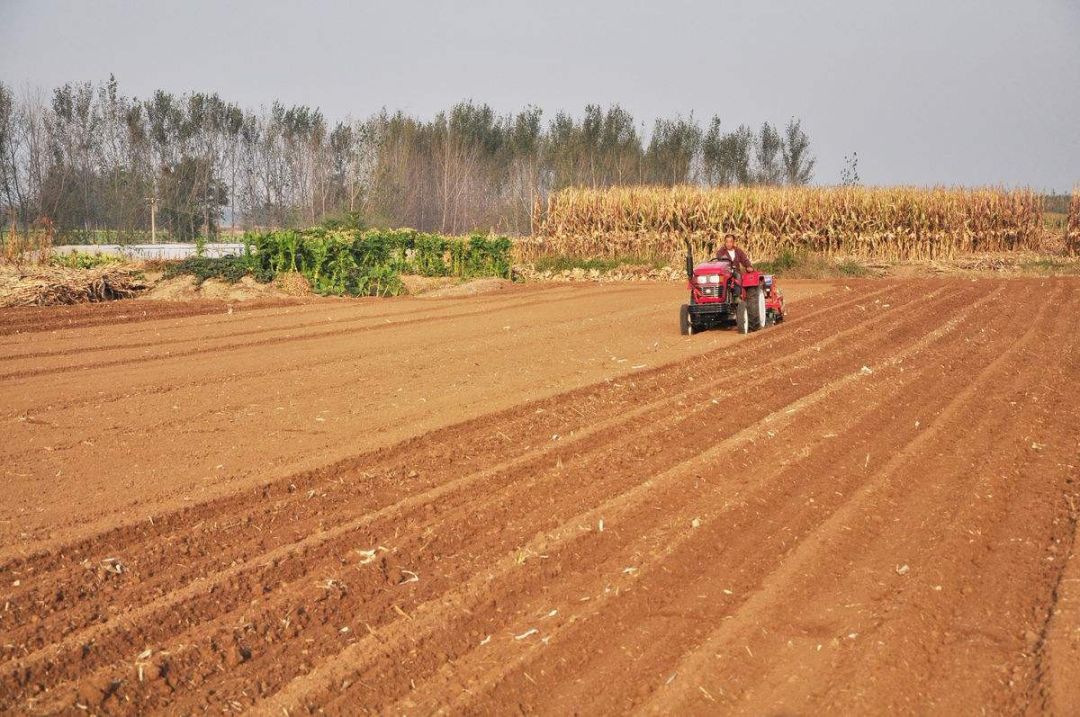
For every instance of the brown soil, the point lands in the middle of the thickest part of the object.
(415, 284)
(185, 288)
(476, 287)
(448, 286)
(546, 500)
(40, 318)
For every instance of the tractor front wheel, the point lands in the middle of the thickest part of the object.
(742, 318)
(755, 307)
(686, 323)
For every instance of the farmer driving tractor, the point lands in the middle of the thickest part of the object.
(726, 289)
(734, 255)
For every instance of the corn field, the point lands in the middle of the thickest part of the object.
(33, 246)
(1072, 231)
(896, 223)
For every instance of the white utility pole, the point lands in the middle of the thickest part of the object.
(153, 219)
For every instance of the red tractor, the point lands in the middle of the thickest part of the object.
(721, 296)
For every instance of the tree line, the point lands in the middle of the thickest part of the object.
(88, 158)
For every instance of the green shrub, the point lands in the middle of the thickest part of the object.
(377, 281)
(480, 256)
(361, 263)
(230, 269)
(84, 260)
(429, 251)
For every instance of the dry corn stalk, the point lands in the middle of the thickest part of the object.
(48, 286)
(891, 223)
(33, 246)
(1072, 230)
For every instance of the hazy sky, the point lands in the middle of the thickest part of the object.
(970, 92)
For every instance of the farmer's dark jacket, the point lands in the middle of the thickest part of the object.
(742, 261)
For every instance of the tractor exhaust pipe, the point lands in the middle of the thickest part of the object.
(689, 260)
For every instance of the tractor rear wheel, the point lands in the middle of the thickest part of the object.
(686, 323)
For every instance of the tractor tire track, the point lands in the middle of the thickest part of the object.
(122, 433)
(269, 557)
(265, 599)
(672, 540)
(309, 335)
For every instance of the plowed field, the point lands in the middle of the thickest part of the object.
(545, 500)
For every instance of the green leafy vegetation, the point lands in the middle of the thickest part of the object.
(230, 269)
(84, 260)
(355, 263)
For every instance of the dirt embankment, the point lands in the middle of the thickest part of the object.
(546, 500)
